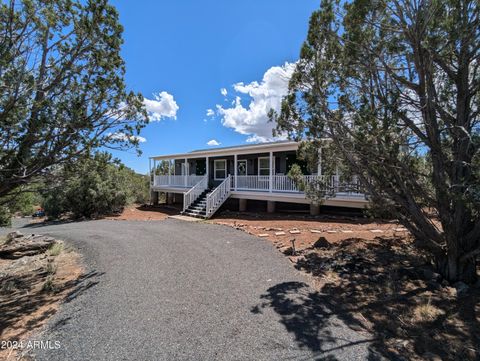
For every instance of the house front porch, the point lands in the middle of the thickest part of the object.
(259, 172)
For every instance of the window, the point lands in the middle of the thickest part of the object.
(220, 169)
(264, 166)
(242, 167)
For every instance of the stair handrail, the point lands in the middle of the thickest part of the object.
(194, 192)
(216, 198)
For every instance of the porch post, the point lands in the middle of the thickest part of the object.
(154, 169)
(152, 179)
(270, 188)
(186, 172)
(170, 171)
(207, 173)
(235, 170)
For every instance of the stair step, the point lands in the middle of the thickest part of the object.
(196, 209)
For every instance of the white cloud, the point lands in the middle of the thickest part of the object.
(224, 92)
(210, 112)
(123, 137)
(162, 106)
(253, 119)
(213, 143)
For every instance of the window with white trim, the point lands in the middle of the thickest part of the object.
(220, 169)
(264, 166)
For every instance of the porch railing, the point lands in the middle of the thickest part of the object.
(218, 196)
(253, 182)
(177, 180)
(283, 183)
(195, 192)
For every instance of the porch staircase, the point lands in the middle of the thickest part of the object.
(203, 202)
(199, 207)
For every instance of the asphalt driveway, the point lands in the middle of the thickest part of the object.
(174, 290)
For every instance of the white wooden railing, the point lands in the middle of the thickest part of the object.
(194, 179)
(177, 180)
(253, 182)
(283, 183)
(218, 196)
(194, 192)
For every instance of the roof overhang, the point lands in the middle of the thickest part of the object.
(254, 148)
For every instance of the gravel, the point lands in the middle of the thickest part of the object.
(174, 290)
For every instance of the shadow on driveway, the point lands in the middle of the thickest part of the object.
(305, 314)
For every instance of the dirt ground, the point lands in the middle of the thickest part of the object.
(31, 290)
(145, 213)
(371, 274)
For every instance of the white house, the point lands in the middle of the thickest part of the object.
(207, 178)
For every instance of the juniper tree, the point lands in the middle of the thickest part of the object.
(62, 89)
(395, 85)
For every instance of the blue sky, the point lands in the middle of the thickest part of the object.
(181, 54)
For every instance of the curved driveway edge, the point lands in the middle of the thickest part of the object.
(173, 290)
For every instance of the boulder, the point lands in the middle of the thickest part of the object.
(322, 243)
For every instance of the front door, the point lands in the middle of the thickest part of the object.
(242, 167)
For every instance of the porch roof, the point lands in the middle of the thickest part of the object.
(239, 149)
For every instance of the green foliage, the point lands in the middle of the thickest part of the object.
(5, 216)
(63, 91)
(395, 87)
(95, 186)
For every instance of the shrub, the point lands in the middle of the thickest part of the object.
(95, 186)
(5, 217)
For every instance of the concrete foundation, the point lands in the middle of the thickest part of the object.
(314, 209)
(242, 205)
(270, 206)
(154, 197)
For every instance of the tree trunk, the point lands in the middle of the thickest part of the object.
(454, 270)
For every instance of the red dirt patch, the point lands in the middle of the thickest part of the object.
(145, 213)
(333, 228)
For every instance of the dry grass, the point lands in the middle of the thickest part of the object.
(55, 249)
(51, 268)
(426, 312)
(49, 285)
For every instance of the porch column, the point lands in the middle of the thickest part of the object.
(170, 171)
(270, 185)
(152, 178)
(154, 196)
(207, 172)
(186, 172)
(235, 170)
(270, 206)
(242, 205)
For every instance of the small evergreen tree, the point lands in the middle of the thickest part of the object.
(395, 85)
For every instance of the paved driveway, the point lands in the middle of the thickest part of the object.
(174, 290)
